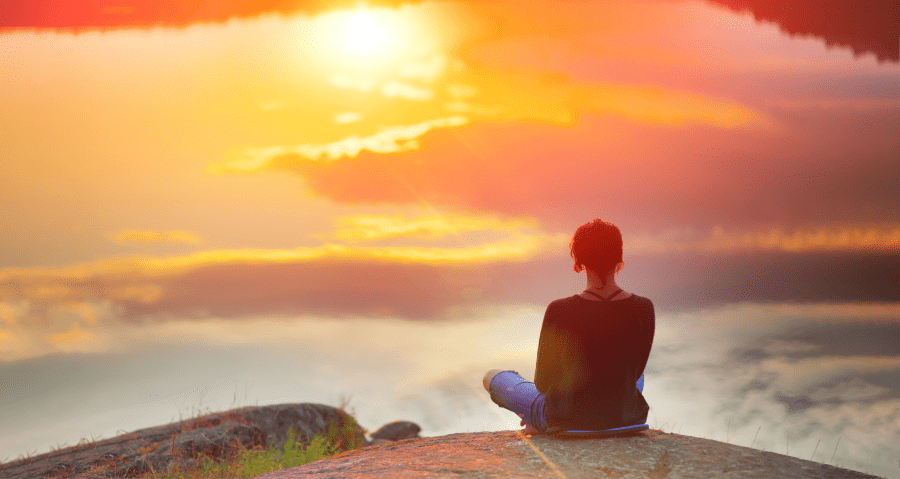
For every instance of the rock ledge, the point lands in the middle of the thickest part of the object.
(506, 454)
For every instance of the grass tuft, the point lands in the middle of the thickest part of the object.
(254, 462)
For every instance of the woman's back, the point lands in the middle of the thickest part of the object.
(592, 350)
(590, 355)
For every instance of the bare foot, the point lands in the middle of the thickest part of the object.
(528, 431)
(488, 376)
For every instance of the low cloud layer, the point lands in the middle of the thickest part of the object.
(817, 381)
(69, 310)
(786, 379)
(427, 267)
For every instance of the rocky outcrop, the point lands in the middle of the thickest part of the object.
(396, 451)
(508, 454)
(218, 436)
(395, 431)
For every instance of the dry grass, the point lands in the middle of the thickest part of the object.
(247, 464)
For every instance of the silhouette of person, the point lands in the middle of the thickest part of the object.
(592, 350)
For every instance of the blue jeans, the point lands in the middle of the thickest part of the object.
(511, 391)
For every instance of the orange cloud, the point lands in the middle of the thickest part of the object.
(502, 94)
(477, 93)
(78, 15)
(837, 104)
(875, 239)
(398, 281)
(394, 89)
(303, 274)
(664, 106)
(390, 140)
(66, 281)
(91, 301)
(135, 236)
(147, 281)
(646, 177)
(7, 315)
(373, 227)
(72, 340)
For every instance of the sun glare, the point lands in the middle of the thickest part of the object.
(363, 33)
(370, 44)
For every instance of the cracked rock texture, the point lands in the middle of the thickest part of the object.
(508, 454)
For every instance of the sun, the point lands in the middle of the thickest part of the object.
(368, 41)
(363, 33)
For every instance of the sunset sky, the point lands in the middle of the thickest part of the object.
(389, 176)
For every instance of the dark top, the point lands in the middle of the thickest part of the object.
(590, 356)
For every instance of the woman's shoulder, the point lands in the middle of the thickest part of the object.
(576, 300)
(566, 302)
(640, 299)
(642, 302)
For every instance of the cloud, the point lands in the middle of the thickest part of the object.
(797, 376)
(374, 227)
(552, 98)
(396, 281)
(395, 89)
(420, 283)
(347, 117)
(426, 69)
(78, 15)
(867, 26)
(804, 394)
(836, 104)
(480, 93)
(693, 386)
(7, 315)
(521, 248)
(456, 262)
(389, 140)
(644, 178)
(135, 236)
(71, 340)
(874, 239)
(878, 239)
(691, 280)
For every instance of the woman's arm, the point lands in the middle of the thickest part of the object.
(547, 371)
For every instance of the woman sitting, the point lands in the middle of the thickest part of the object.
(592, 350)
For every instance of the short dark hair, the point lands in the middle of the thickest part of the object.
(597, 245)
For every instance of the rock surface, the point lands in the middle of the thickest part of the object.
(508, 454)
(505, 454)
(215, 435)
